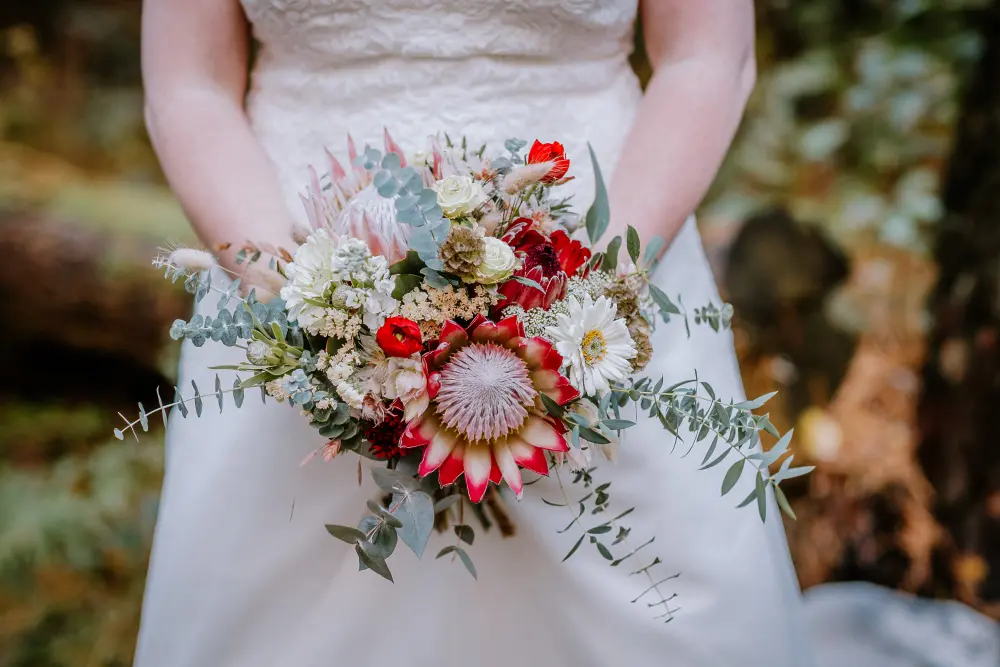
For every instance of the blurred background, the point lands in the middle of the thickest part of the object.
(854, 228)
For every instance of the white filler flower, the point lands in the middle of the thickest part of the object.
(595, 346)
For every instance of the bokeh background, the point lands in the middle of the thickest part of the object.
(854, 228)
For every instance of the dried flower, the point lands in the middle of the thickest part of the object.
(191, 259)
(462, 251)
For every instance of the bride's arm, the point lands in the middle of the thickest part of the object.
(194, 63)
(702, 54)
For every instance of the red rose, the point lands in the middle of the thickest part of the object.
(553, 152)
(572, 254)
(399, 337)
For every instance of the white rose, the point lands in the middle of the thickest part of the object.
(405, 380)
(422, 159)
(459, 195)
(498, 263)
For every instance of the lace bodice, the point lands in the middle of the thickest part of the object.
(486, 69)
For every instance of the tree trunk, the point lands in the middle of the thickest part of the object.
(960, 406)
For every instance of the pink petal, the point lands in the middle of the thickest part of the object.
(453, 467)
(436, 453)
(392, 147)
(528, 457)
(336, 169)
(508, 467)
(478, 465)
(541, 433)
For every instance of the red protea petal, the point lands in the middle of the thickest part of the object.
(528, 457)
(495, 475)
(508, 467)
(453, 334)
(555, 386)
(510, 327)
(540, 433)
(478, 465)
(419, 432)
(535, 351)
(437, 452)
(453, 467)
(483, 331)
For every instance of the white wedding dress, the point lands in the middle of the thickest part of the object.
(243, 573)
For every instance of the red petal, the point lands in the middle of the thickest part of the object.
(510, 327)
(484, 331)
(555, 386)
(437, 452)
(419, 432)
(453, 334)
(451, 469)
(478, 465)
(534, 352)
(508, 467)
(528, 457)
(495, 475)
(540, 433)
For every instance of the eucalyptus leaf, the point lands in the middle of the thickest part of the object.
(732, 476)
(374, 563)
(610, 261)
(465, 533)
(632, 244)
(599, 214)
(416, 510)
(345, 533)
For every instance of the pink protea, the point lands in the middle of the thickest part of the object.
(351, 206)
(486, 418)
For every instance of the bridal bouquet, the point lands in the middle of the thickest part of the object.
(440, 318)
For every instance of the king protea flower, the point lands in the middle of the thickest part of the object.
(486, 418)
(351, 206)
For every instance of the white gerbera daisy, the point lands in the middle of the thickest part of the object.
(595, 346)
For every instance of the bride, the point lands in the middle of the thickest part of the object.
(242, 572)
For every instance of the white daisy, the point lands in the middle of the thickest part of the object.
(595, 346)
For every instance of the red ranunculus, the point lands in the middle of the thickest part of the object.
(572, 254)
(554, 153)
(399, 337)
(539, 263)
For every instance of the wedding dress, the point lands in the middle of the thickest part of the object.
(243, 573)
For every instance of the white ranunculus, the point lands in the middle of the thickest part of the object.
(459, 195)
(310, 274)
(404, 379)
(498, 263)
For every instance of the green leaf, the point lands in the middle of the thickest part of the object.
(197, 399)
(465, 533)
(345, 533)
(466, 561)
(179, 402)
(218, 391)
(663, 302)
(375, 564)
(119, 434)
(610, 262)
(618, 424)
(237, 393)
(778, 450)
(732, 476)
(384, 542)
(593, 436)
(749, 499)
(599, 530)
(447, 503)
(393, 481)
(163, 412)
(603, 550)
(406, 283)
(573, 550)
(552, 407)
(143, 418)
(632, 243)
(779, 495)
(529, 282)
(409, 264)
(755, 403)
(416, 511)
(719, 459)
(653, 249)
(599, 214)
(761, 490)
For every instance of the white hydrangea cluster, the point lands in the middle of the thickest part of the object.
(537, 320)
(336, 286)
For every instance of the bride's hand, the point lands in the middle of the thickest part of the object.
(194, 61)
